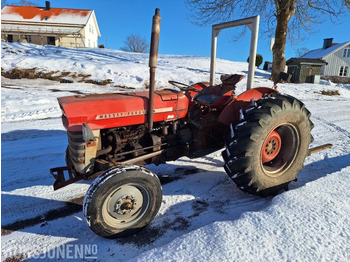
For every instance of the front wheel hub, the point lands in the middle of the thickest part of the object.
(125, 205)
(271, 147)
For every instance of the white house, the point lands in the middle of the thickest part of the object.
(65, 27)
(337, 57)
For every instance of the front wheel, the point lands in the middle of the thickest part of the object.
(265, 152)
(122, 201)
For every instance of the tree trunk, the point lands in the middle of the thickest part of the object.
(285, 10)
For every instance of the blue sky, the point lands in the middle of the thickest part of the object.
(118, 19)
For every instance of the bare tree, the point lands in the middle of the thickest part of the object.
(27, 3)
(135, 43)
(302, 51)
(22, 2)
(280, 17)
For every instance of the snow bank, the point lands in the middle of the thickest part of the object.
(123, 68)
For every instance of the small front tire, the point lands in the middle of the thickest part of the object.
(122, 201)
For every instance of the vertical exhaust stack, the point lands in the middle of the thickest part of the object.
(47, 5)
(153, 57)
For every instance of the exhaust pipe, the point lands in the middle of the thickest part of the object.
(153, 57)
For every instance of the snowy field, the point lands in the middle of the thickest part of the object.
(203, 216)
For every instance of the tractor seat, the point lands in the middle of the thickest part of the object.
(219, 95)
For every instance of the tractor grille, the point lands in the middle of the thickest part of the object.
(76, 151)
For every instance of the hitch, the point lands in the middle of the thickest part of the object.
(64, 176)
(319, 148)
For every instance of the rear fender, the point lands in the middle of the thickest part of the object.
(231, 112)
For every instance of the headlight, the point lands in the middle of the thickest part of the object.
(87, 133)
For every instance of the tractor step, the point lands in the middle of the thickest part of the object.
(64, 176)
(319, 148)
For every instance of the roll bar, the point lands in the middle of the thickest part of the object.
(253, 24)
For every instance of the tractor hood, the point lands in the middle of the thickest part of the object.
(120, 109)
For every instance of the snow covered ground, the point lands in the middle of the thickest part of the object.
(203, 217)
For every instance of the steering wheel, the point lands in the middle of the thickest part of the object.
(182, 86)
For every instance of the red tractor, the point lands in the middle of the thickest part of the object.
(265, 136)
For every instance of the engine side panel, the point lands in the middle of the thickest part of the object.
(123, 109)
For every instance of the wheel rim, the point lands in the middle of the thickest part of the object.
(271, 147)
(125, 206)
(280, 149)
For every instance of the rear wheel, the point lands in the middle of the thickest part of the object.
(265, 152)
(122, 201)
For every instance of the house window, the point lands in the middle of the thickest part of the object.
(346, 52)
(343, 71)
(28, 38)
(10, 38)
(51, 40)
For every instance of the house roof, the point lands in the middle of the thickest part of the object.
(33, 14)
(322, 53)
(306, 61)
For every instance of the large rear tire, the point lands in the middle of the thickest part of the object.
(122, 201)
(267, 149)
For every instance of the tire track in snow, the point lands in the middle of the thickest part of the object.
(31, 115)
(336, 127)
(72, 206)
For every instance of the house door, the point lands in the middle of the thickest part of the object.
(51, 40)
(10, 38)
(292, 70)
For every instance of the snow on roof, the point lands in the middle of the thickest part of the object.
(321, 53)
(12, 13)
